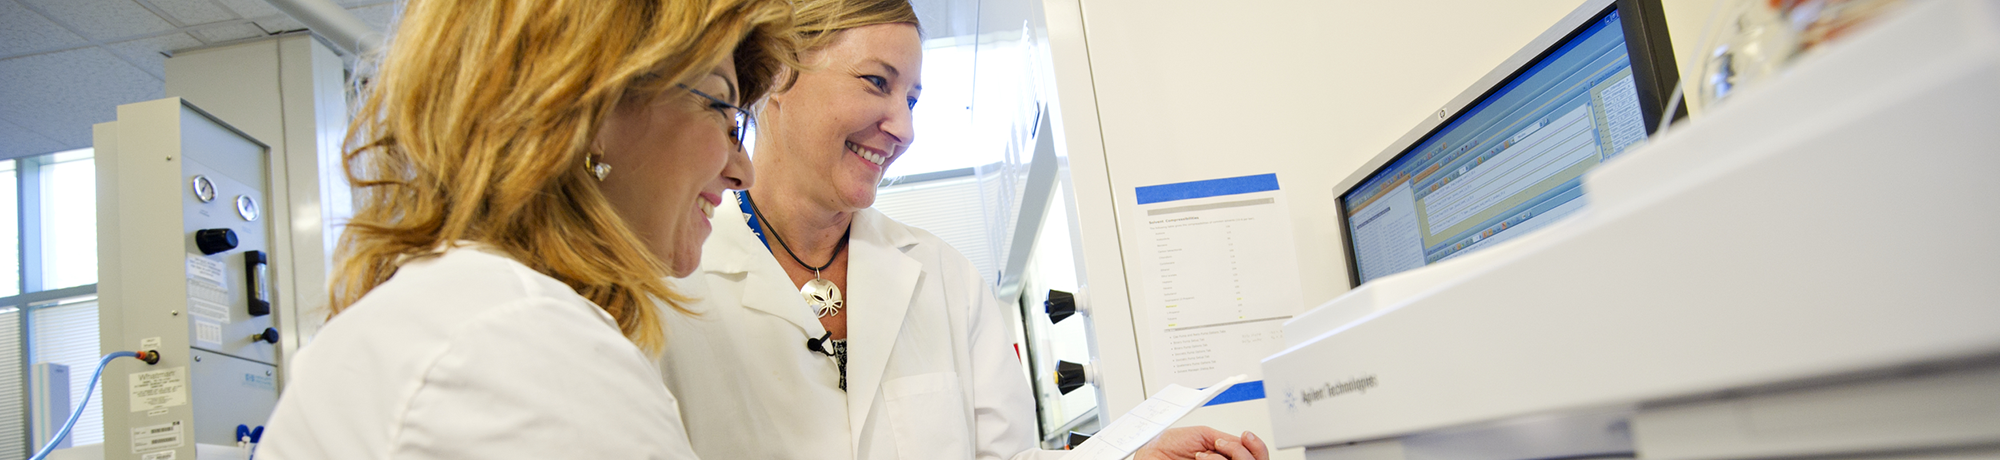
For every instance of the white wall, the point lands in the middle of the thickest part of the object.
(1162, 91)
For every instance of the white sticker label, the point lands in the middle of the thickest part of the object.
(207, 333)
(211, 270)
(204, 290)
(162, 436)
(149, 343)
(158, 389)
(161, 455)
(156, 412)
(208, 310)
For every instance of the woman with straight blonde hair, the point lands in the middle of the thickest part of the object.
(527, 173)
(830, 331)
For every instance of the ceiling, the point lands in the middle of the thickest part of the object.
(68, 64)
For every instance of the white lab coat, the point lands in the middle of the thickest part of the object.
(932, 369)
(473, 355)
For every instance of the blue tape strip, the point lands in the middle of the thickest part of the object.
(1203, 189)
(1246, 391)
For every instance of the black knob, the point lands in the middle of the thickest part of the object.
(1059, 306)
(214, 240)
(1069, 376)
(270, 335)
(1076, 439)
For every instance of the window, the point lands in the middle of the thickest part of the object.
(68, 221)
(943, 117)
(48, 286)
(10, 230)
(13, 417)
(65, 332)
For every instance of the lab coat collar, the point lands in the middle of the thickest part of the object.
(732, 251)
(882, 281)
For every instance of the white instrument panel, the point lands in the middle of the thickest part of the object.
(1832, 222)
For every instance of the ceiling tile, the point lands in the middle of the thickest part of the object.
(22, 31)
(215, 35)
(59, 95)
(103, 19)
(16, 142)
(146, 52)
(194, 12)
(252, 9)
(279, 24)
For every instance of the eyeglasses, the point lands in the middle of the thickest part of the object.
(742, 117)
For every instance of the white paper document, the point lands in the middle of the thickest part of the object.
(1218, 277)
(1127, 434)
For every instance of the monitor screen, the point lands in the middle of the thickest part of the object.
(1511, 162)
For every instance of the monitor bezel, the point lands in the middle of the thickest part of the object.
(1654, 74)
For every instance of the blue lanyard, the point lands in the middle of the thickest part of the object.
(750, 217)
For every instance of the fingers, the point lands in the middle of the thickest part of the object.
(1256, 446)
(1177, 443)
(1208, 436)
(1205, 443)
(1232, 449)
(1195, 438)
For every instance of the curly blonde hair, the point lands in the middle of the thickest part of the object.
(475, 125)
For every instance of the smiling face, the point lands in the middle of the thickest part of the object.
(672, 157)
(833, 133)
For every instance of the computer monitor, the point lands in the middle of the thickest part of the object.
(1512, 159)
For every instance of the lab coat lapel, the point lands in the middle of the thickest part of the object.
(735, 252)
(882, 281)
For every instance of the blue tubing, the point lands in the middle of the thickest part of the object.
(51, 446)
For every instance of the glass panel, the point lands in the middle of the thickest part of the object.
(69, 220)
(10, 231)
(1053, 267)
(1057, 267)
(66, 333)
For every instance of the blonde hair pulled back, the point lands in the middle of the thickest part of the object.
(475, 124)
(820, 22)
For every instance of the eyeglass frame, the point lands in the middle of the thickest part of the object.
(743, 119)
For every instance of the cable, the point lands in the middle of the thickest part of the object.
(1674, 102)
(1702, 46)
(150, 357)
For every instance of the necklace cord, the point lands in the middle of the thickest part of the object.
(788, 248)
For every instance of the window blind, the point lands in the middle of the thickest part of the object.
(13, 393)
(66, 333)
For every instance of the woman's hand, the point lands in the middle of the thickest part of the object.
(1203, 443)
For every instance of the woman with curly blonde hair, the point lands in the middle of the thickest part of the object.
(527, 173)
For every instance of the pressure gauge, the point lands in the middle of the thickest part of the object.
(204, 190)
(246, 207)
